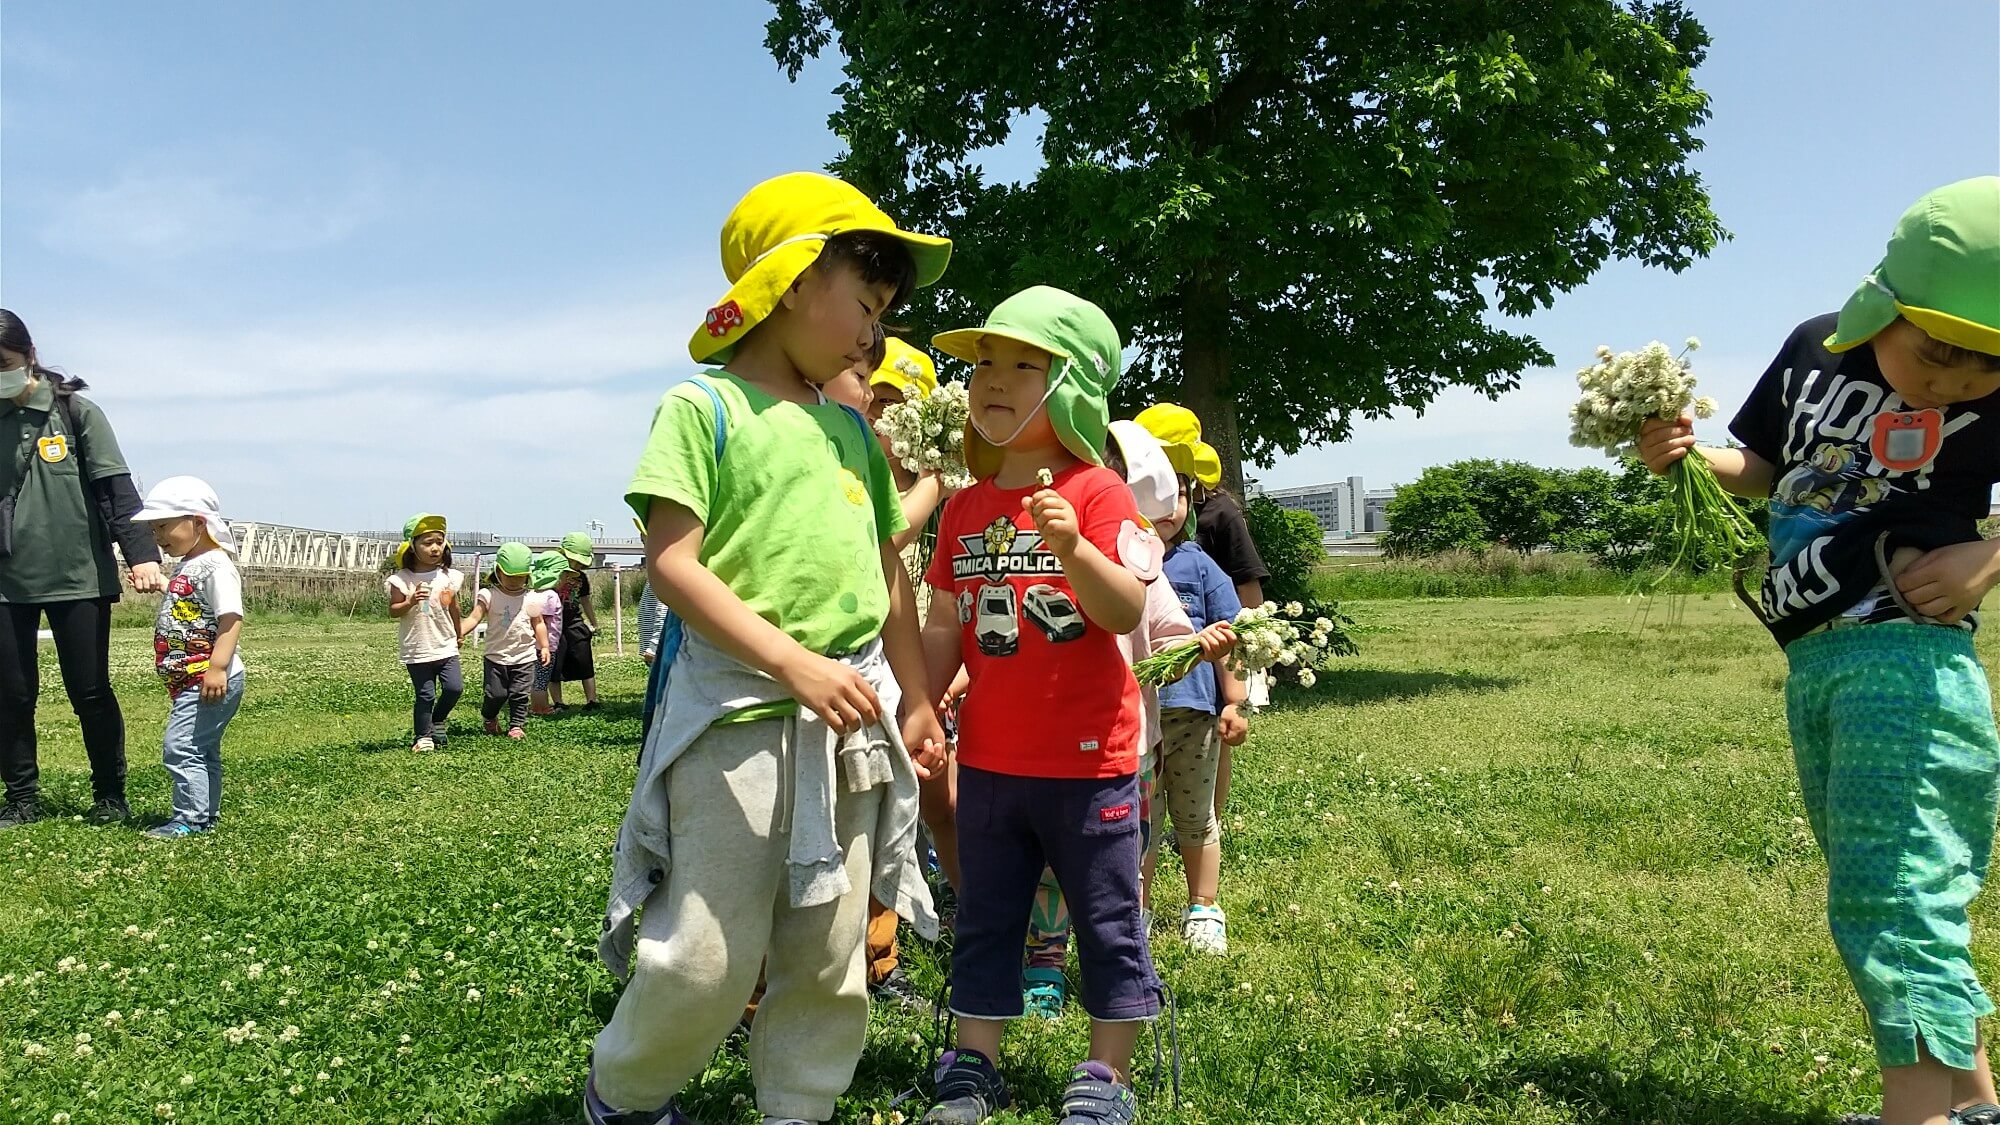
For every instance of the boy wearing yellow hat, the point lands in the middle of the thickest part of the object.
(1876, 435)
(776, 787)
(1036, 577)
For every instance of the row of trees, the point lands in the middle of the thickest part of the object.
(1480, 504)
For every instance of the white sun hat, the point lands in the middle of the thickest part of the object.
(175, 497)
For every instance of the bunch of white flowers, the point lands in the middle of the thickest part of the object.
(928, 434)
(1267, 636)
(1621, 391)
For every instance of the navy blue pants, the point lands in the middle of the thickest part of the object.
(1087, 830)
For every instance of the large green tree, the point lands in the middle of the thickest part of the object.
(1296, 211)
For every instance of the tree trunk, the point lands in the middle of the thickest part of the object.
(1205, 384)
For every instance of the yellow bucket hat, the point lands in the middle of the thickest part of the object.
(777, 230)
(907, 368)
(1179, 431)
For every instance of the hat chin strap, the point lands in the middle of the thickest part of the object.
(1053, 384)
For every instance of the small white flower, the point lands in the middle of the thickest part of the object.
(472, 995)
(187, 1080)
(1692, 343)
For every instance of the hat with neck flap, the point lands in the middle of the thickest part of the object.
(1087, 360)
(1941, 272)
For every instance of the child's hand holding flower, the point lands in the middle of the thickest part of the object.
(1055, 518)
(1216, 641)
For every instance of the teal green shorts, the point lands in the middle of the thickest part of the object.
(1899, 766)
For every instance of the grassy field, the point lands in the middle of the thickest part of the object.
(1523, 860)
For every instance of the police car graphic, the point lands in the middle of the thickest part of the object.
(1053, 612)
(997, 630)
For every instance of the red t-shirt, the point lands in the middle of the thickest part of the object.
(1051, 695)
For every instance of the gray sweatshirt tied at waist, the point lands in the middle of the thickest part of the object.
(707, 684)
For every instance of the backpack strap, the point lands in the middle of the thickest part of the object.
(670, 623)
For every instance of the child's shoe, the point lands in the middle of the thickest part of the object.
(492, 726)
(1043, 993)
(1095, 1097)
(1206, 930)
(110, 810)
(423, 746)
(595, 1112)
(1985, 1113)
(440, 737)
(517, 734)
(174, 830)
(969, 1090)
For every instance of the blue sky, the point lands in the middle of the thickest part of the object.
(350, 261)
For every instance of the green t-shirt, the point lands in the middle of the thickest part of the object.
(62, 550)
(793, 520)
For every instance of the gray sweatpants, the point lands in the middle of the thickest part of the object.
(724, 911)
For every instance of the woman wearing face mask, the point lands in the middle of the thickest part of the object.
(65, 498)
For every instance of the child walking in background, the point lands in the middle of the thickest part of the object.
(1199, 714)
(196, 647)
(576, 660)
(516, 639)
(546, 574)
(1039, 570)
(423, 598)
(1876, 435)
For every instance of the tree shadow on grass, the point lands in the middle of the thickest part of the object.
(1601, 1089)
(1380, 685)
(546, 1108)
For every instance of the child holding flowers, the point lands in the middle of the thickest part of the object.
(1032, 585)
(1874, 433)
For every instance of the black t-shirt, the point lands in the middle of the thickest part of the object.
(1854, 464)
(1225, 535)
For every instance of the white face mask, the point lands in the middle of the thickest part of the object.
(1000, 443)
(13, 381)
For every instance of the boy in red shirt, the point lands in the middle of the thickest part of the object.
(1031, 589)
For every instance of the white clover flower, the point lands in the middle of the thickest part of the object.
(1692, 344)
(1307, 678)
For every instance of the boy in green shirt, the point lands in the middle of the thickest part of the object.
(776, 788)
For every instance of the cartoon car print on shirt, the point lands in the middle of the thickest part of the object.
(1053, 612)
(998, 630)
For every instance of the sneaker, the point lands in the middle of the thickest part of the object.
(174, 830)
(1206, 930)
(1094, 1097)
(517, 734)
(595, 1112)
(1985, 1113)
(440, 737)
(898, 989)
(110, 810)
(492, 726)
(1043, 992)
(16, 813)
(969, 1090)
(424, 746)
(592, 705)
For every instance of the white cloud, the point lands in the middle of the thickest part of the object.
(524, 416)
(186, 206)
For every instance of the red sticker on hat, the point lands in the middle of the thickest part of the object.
(1115, 813)
(724, 317)
(1907, 440)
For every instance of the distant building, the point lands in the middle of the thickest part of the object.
(1344, 509)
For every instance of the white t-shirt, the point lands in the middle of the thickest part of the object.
(425, 633)
(510, 625)
(205, 589)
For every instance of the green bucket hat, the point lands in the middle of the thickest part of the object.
(513, 559)
(1085, 343)
(1941, 272)
(547, 570)
(579, 547)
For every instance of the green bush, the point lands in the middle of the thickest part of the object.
(1291, 544)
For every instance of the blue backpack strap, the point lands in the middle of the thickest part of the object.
(670, 628)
